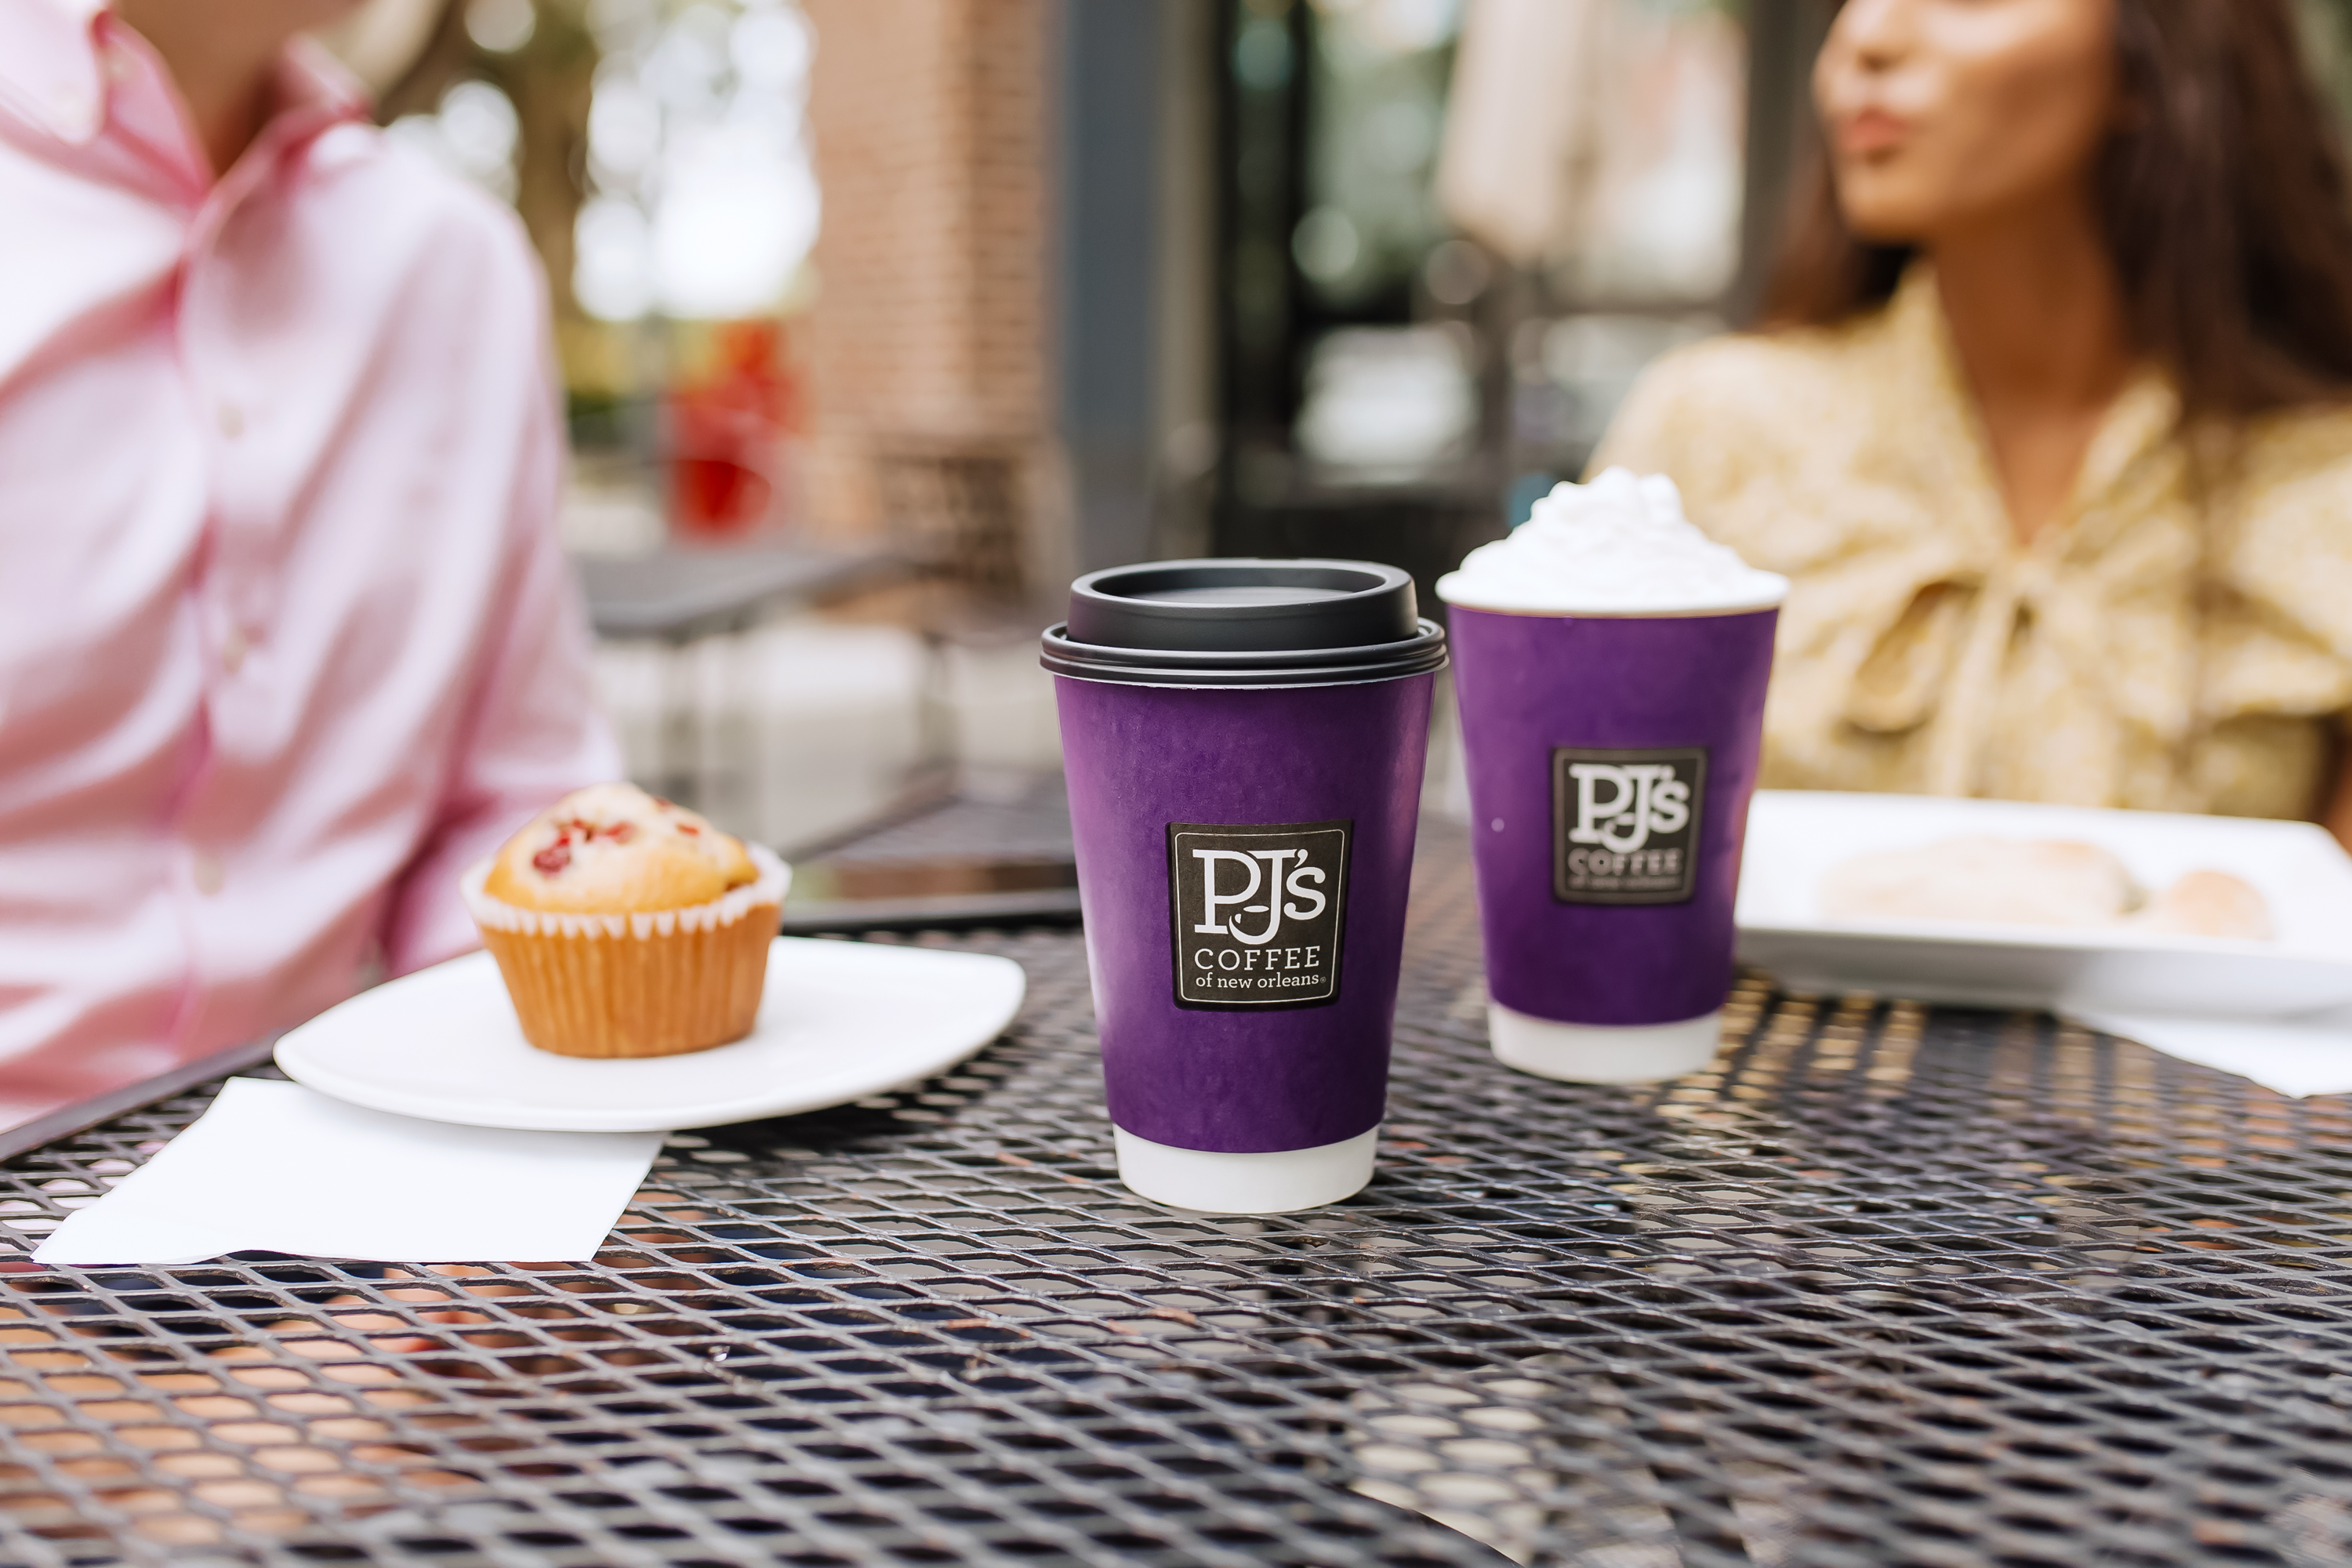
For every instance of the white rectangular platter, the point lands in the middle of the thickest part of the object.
(1793, 837)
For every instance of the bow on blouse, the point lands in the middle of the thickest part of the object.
(1942, 662)
(1975, 611)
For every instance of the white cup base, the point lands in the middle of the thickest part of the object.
(1598, 1053)
(1275, 1182)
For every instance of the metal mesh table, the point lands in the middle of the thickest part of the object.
(1884, 1286)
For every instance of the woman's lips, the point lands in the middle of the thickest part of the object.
(1871, 131)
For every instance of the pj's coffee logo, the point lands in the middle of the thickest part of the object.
(1258, 912)
(1625, 824)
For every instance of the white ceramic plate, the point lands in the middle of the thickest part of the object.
(839, 1021)
(1794, 837)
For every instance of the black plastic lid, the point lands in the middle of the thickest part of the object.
(1243, 623)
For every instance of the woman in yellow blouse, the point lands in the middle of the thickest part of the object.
(2052, 424)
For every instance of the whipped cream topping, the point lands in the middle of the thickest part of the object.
(1618, 546)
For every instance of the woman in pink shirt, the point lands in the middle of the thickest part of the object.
(285, 637)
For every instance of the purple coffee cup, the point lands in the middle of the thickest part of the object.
(1244, 742)
(1610, 760)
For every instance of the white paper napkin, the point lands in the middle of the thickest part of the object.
(277, 1167)
(2301, 1056)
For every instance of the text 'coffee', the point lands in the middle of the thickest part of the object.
(1258, 912)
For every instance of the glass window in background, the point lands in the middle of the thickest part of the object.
(1387, 395)
(1595, 147)
(1598, 146)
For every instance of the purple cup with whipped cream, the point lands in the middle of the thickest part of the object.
(1609, 666)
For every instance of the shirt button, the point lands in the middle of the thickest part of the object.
(234, 648)
(232, 420)
(207, 869)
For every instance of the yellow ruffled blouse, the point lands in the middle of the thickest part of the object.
(2149, 649)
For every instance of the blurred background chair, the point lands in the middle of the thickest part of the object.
(954, 509)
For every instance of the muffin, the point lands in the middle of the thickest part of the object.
(625, 926)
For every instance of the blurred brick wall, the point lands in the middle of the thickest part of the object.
(932, 122)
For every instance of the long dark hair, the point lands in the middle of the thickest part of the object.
(2225, 203)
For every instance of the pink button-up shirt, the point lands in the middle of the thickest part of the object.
(285, 637)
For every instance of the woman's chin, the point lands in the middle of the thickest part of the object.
(1892, 212)
(1891, 229)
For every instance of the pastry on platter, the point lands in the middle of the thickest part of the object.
(2036, 882)
(625, 926)
(2208, 903)
(2014, 881)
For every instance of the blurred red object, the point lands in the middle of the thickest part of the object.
(727, 428)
